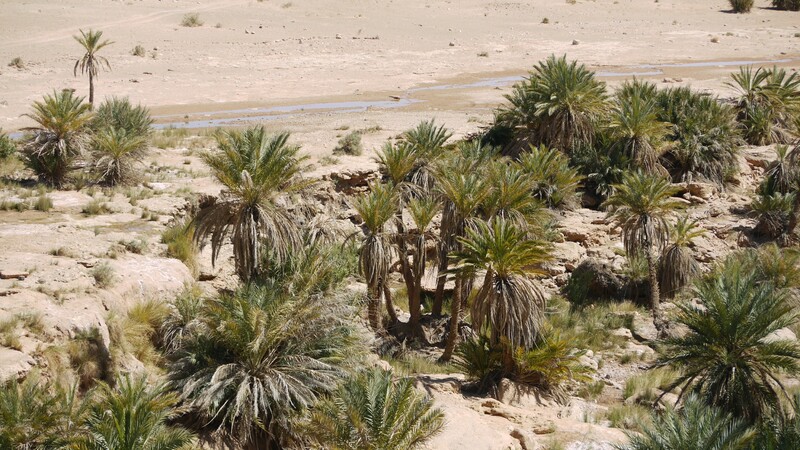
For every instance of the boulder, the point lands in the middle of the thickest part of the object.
(784, 334)
(14, 364)
(593, 280)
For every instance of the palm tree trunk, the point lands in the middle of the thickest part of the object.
(387, 296)
(441, 280)
(655, 299)
(91, 89)
(373, 312)
(455, 312)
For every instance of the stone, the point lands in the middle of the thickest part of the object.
(703, 190)
(596, 282)
(527, 440)
(10, 274)
(575, 236)
(14, 364)
(643, 328)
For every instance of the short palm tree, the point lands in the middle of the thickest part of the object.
(694, 426)
(554, 181)
(119, 113)
(464, 194)
(116, 154)
(413, 266)
(641, 206)
(373, 412)
(90, 62)
(637, 131)
(133, 416)
(774, 213)
(559, 105)
(59, 137)
(730, 357)
(782, 174)
(255, 168)
(255, 359)
(509, 306)
(705, 138)
(428, 143)
(36, 413)
(769, 101)
(779, 432)
(677, 267)
(376, 252)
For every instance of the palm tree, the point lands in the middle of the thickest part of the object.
(638, 132)
(465, 192)
(769, 101)
(641, 206)
(119, 113)
(694, 426)
(730, 357)
(116, 153)
(705, 137)
(372, 412)
(427, 140)
(255, 359)
(39, 414)
(554, 181)
(133, 416)
(677, 267)
(509, 306)
(774, 213)
(255, 169)
(779, 432)
(91, 61)
(559, 105)
(375, 254)
(414, 244)
(59, 137)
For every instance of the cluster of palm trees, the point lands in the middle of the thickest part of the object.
(69, 138)
(734, 358)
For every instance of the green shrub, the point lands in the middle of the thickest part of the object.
(786, 5)
(103, 275)
(43, 203)
(17, 63)
(95, 207)
(773, 213)
(8, 146)
(741, 6)
(480, 362)
(350, 144)
(550, 364)
(191, 20)
(179, 239)
(138, 246)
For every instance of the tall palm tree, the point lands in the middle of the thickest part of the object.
(90, 62)
(694, 426)
(376, 251)
(414, 244)
(641, 206)
(559, 105)
(255, 359)
(59, 137)
(730, 357)
(638, 132)
(465, 192)
(509, 306)
(133, 416)
(116, 152)
(373, 412)
(677, 267)
(255, 169)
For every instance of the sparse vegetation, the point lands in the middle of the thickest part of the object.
(191, 20)
(138, 51)
(741, 6)
(103, 275)
(349, 145)
(17, 63)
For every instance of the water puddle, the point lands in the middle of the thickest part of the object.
(713, 64)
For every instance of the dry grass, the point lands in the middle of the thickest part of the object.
(191, 20)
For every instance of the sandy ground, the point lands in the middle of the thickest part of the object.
(261, 54)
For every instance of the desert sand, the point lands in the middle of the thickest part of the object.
(250, 55)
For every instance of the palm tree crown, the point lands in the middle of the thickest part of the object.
(91, 61)
(255, 169)
(372, 412)
(60, 135)
(730, 356)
